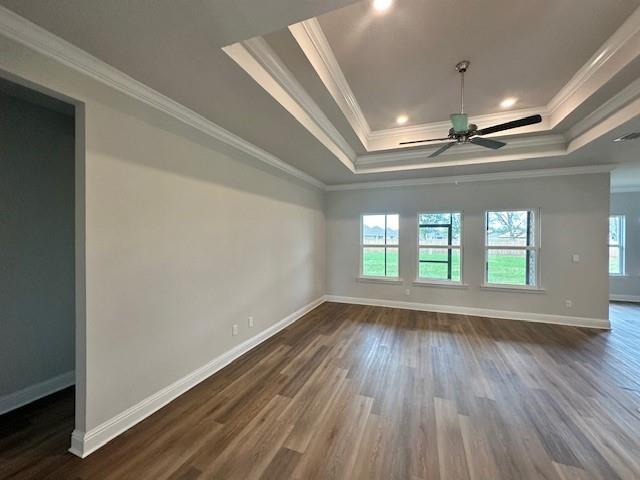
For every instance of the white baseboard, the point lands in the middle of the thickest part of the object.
(601, 323)
(624, 298)
(84, 443)
(34, 392)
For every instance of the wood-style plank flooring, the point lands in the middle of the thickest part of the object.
(356, 392)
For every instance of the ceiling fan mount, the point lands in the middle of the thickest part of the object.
(462, 66)
(464, 132)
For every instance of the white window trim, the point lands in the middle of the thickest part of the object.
(537, 247)
(432, 281)
(440, 283)
(387, 280)
(622, 246)
(377, 279)
(499, 287)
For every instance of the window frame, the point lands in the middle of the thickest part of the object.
(622, 244)
(449, 247)
(536, 248)
(378, 278)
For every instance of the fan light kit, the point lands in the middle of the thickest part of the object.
(464, 132)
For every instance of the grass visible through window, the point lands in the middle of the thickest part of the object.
(507, 269)
(373, 262)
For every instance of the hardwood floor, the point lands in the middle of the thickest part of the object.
(355, 392)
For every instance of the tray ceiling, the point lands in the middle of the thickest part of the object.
(576, 63)
(291, 91)
(403, 61)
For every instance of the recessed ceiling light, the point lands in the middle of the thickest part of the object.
(382, 5)
(508, 102)
(402, 119)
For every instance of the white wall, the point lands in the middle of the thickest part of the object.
(628, 286)
(574, 213)
(184, 237)
(37, 310)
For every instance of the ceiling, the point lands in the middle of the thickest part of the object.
(403, 61)
(398, 62)
(175, 48)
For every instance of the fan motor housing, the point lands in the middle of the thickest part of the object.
(462, 66)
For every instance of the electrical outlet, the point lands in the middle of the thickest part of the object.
(407, 292)
(234, 330)
(575, 257)
(250, 321)
(568, 303)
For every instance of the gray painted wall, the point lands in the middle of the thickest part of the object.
(36, 244)
(185, 237)
(628, 204)
(574, 212)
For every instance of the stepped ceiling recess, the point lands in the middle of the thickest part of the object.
(332, 88)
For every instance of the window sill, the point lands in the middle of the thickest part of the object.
(442, 284)
(386, 280)
(512, 288)
(619, 275)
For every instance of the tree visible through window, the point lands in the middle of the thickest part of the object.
(511, 250)
(439, 249)
(379, 245)
(616, 244)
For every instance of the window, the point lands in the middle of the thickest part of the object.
(439, 249)
(511, 249)
(616, 244)
(379, 245)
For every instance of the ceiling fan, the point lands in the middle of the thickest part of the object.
(464, 132)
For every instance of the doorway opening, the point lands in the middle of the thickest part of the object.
(624, 247)
(41, 222)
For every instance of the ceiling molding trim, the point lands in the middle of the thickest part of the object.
(627, 95)
(629, 189)
(483, 177)
(258, 59)
(621, 38)
(533, 144)
(315, 46)
(617, 52)
(460, 162)
(21, 30)
(614, 120)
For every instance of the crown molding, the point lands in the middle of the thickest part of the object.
(531, 144)
(602, 59)
(623, 98)
(258, 59)
(461, 162)
(482, 177)
(617, 52)
(21, 30)
(315, 46)
(614, 120)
